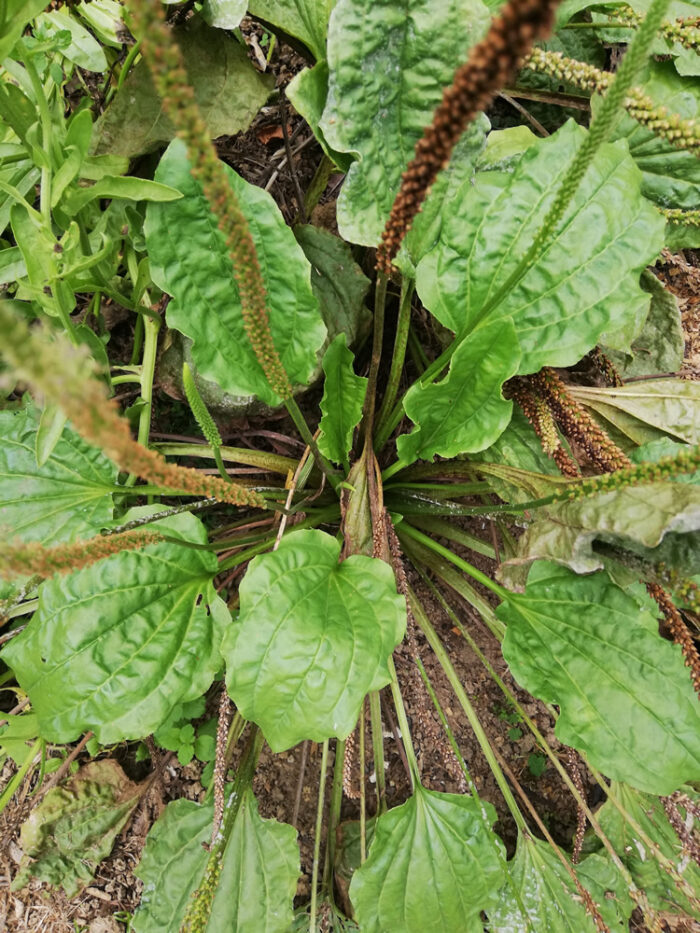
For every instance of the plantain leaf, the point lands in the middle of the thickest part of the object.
(465, 412)
(313, 637)
(625, 695)
(227, 87)
(378, 110)
(258, 877)
(303, 19)
(224, 14)
(74, 827)
(671, 176)
(648, 813)
(69, 496)
(670, 406)
(115, 646)
(432, 867)
(189, 260)
(550, 898)
(343, 397)
(308, 93)
(587, 281)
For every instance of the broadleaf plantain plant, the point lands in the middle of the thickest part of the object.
(521, 268)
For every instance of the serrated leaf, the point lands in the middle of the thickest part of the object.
(652, 878)
(671, 176)
(659, 347)
(189, 260)
(668, 406)
(304, 19)
(432, 867)
(224, 14)
(587, 281)
(74, 827)
(625, 696)
(258, 876)
(629, 516)
(465, 412)
(69, 496)
(550, 898)
(379, 108)
(115, 646)
(341, 405)
(228, 90)
(313, 637)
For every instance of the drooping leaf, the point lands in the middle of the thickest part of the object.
(224, 14)
(341, 405)
(258, 876)
(625, 695)
(550, 897)
(582, 287)
(115, 646)
(630, 516)
(227, 87)
(304, 19)
(308, 93)
(648, 813)
(660, 345)
(466, 411)
(74, 827)
(313, 637)
(670, 406)
(431, 867)
(69, 496)
(379, 109)
(337, 282)
(189, 260)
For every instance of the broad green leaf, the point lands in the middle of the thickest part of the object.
(105, 19)
(227, 87)
(671, 176)
(313, 637)
(466, 411)
(119, 186)
(308, 93)
(69, 496)
(504, 149)
(587, 281)
(341, 405)
(224, 14)
(189, 260)
(115, 646)
(16, 109)
(388, 66)
(671, 406)
(432, 867)
(625, 696)
(337, 282)
(659, 347)
(17, 13)
(83, 49)
(74, 827)
(258, 876)
(550, 898)
(655, 881)
(303, 19)
(17, 737)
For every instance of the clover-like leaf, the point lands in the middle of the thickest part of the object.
(433, 866)
(190, 261)
(466, 412)
(313, 637)
(343, 397)
(69, 496)
(74, 827)
(379, 108)
(115, 646)
(551, 900)
(625, 695)
(585, 284)
(258, 877)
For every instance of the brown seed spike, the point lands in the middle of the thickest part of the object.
(490, 65)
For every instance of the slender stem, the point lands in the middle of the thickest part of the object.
(438, 649)
(403, 324)
(28, 762)
(317, 837)
(404, 728)
(443, 529)
(334, 815)
(46, 131)
(363, 797)
(273, 463)
(148, 368)
(375, 713)
(325, 466)
(377, 338)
